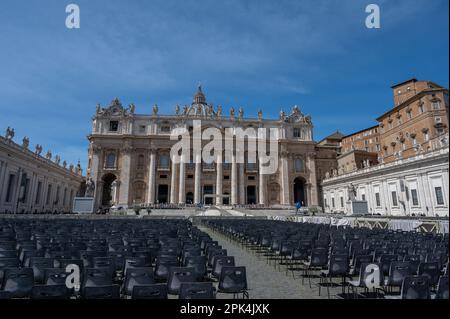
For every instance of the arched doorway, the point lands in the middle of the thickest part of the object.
(300, 191)
(189, 198)
(107, 192)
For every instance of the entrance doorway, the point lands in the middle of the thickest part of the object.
(251, 195)
(189, 198)
(163, 194)
(208, 190)
(107, 199)
(300, 191)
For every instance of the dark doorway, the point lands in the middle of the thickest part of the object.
(108, 179)
(163, 194)
(251, 195)
(189, 198)
(226, 199)
(299, 191)
(208, 190)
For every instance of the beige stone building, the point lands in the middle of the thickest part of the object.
(130, 162)
(35, 183)
(407, 172)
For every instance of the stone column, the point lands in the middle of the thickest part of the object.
(262, 186)
(125, 171)
(197, 183)
(94, 172)
(173, 183)
(3, 182)
(242, 183)
(285, 185)
(219, 178)
(152, 178)
(234, 199)
(182, 180)
(313, 199)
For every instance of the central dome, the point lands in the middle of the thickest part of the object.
(199, 97)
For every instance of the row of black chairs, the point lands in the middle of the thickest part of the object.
(351, 254)
(114, 258)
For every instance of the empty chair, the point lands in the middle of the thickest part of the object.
(385, 261)
(18, 281)
(369, 274)
(430, 270)
(413, 287)
(414, 262)
(219, 263)
(177, 276)
(39, 264)
(338, 267)
(358, 261)
(213, 253)
(139, 276)
(199, 265)
(233, 280)
(155, 291)
(94, 277)
(162, 267)
(442, 289)
(133, 262)
(196, 290)
(317, 261)
(102, 292)
(55, 276)
(50, 292)
(398, 271)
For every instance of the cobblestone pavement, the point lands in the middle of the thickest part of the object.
(264, 280)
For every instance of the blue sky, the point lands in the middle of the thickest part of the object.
(256, 54)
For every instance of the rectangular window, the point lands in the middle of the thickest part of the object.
(439, 195)
(10, 189)
(113, 126)
(325, 202)
(394, 199)
(49, 194)
(25, 190)
(332, 202)
(414, 197)
(38, 193)
(363, 197)
(342, 201)
(436, 105)
(377, 199)
(297, 133)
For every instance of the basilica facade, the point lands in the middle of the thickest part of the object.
(130, 162)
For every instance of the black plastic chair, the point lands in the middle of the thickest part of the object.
(138, 277)
(318, 261)
(194, 290)
(199, 265)
(94, 277)
(442, 290)
(177, 276)
(55, 276)
(413, 287)
(366, 270)
(233, 280)
(50, 292)
(155, 291)
(398, 271)
(18, 281)
(101, 292)
(39, 264)
(338, 267)
(219, 263)
(430, 270)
